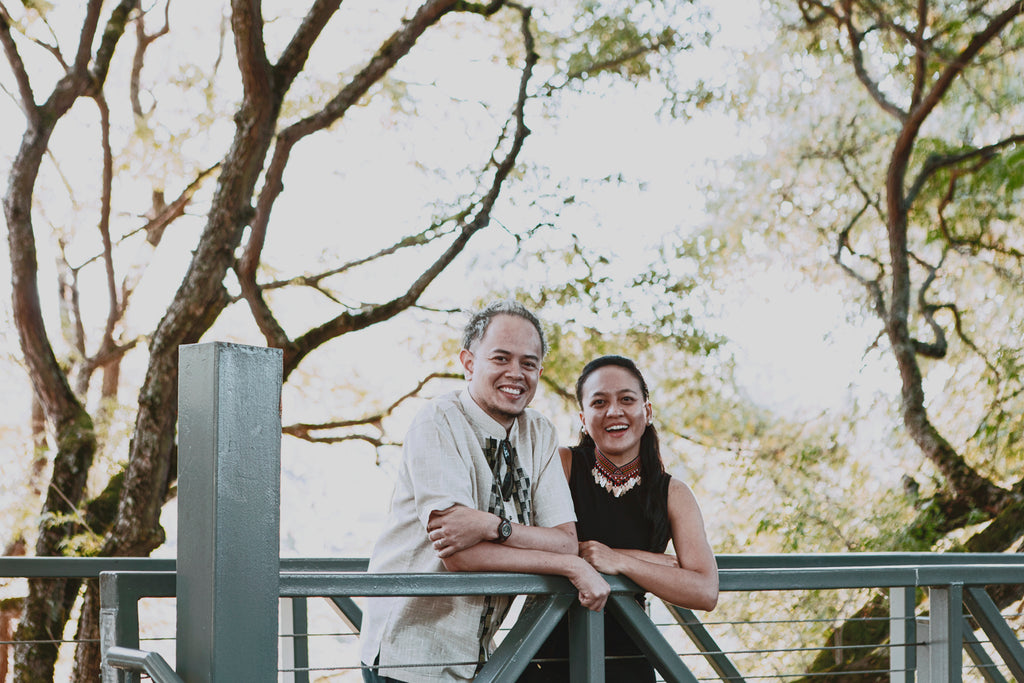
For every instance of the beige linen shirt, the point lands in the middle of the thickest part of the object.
(439, 638)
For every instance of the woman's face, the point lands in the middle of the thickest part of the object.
(614, 412)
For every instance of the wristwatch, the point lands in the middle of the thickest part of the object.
(504, 530)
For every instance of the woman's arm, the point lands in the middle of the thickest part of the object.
(691, 580)
(666, 559)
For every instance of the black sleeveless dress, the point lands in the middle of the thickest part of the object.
(618, 523)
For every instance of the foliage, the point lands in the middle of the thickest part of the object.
(893, 153)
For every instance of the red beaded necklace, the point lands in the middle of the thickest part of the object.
(612, 478)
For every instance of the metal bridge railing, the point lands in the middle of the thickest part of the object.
(919, 646)
(228, 582)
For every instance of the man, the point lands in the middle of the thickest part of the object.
(481, 488)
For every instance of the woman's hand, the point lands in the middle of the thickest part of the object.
(602, 558)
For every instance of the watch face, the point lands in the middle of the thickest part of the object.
(505, 530)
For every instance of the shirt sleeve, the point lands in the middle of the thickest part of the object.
(440, 472)
(552, 500)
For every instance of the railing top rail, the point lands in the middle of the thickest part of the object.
(359, 583)
(313, 584)
(822, 560)
(91, 567)
(803, 578)
(79, 567)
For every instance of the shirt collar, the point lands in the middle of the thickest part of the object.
(484, 423)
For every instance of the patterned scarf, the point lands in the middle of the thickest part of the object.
(504, 464)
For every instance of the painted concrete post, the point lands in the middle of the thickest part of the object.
(945, 635)
(229, 500)
(902, 635)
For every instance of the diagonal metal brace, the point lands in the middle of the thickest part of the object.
(991, 621)
(538, 618)
(646, 635)
(711, 650)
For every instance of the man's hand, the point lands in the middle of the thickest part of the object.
(594, 590)
(602, 558)
(458, 528)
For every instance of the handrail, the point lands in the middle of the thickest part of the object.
(139, 661)
(91, 567)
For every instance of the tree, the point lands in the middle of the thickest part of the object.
(284, 97)
(896, 151)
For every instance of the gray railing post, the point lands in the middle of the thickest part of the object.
(229, 499)
(945, 633)
(586, 645)
(902, 635)
(294, 640)
(119, 625)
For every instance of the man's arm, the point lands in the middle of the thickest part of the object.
(494, 557)
(463, 538)
(459, 527)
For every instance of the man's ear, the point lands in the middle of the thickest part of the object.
(466, 358)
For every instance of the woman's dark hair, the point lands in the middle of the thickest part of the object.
(653, 479)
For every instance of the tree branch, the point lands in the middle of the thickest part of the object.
(957, 65)
(431, 234)
(111, 35)
(872, 285)
(393, 49)
(920, 55)
(305, 431)
(250, 50)
(295, 54)
(938, 347)
(142, 42)
(937, 162)
(28, 103)
(857, 57)
(348, 322)
(114, 309)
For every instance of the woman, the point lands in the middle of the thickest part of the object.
(628, 508)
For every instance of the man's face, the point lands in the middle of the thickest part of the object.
(503, 367)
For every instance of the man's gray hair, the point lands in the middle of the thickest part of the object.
(478, 322)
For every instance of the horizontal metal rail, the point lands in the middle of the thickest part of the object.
(91, 567)
(149, 663)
